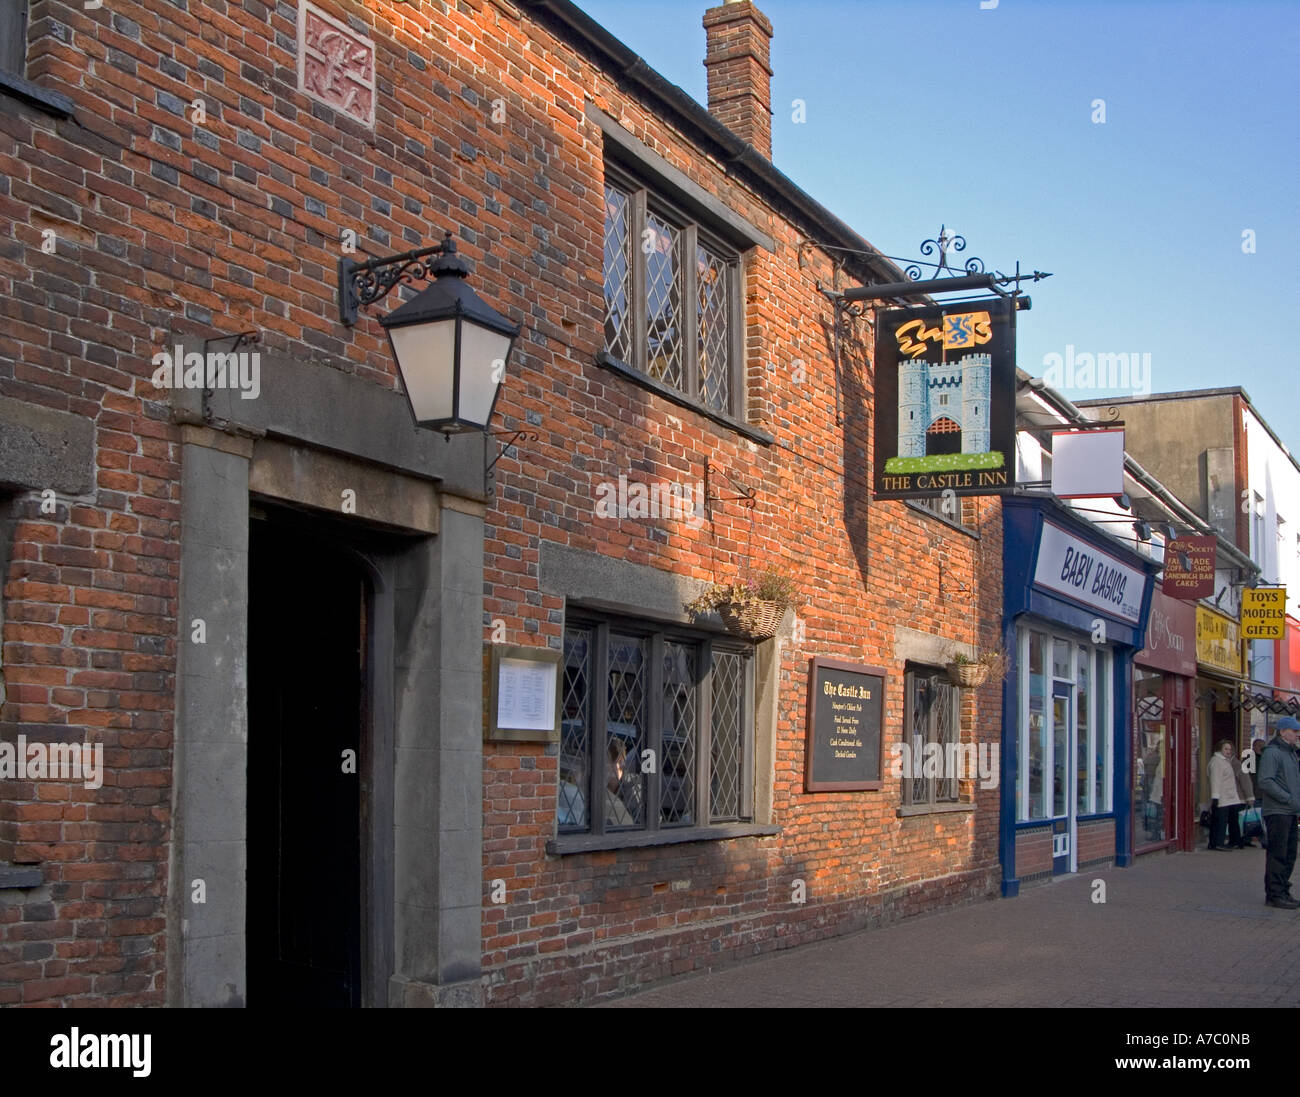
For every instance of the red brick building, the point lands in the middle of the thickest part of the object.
(233, 588)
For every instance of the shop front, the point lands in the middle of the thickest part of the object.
(1221, 677)
(1286, 657)
(1075, 613)
(1164, 677)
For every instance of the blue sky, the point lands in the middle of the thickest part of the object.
(922, 112)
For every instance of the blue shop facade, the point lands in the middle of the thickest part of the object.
(1075, 614)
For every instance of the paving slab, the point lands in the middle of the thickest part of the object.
(1175, 930)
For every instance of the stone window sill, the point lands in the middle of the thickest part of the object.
(669, 393)
(589, 843)
(973, 534)
(52, 102)
(933, 809)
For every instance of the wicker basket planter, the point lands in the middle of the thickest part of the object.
(756, 619)
(967, 675)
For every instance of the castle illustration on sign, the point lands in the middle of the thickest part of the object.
(937, 400)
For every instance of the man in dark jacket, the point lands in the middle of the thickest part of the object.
(1278, 786)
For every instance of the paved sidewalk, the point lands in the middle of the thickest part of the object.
(1188, 929)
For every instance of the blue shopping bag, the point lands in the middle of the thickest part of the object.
(1251, 822)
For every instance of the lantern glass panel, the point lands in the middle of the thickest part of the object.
(426, 356)
(482, 369)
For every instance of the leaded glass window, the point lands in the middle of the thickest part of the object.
(657, 730)
(618, 274)
(713, 281)
(672, 297)
(932, 735)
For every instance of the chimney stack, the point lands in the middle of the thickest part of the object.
(739, 38)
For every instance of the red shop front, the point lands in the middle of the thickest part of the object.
(1164, 675)
(1286, 658)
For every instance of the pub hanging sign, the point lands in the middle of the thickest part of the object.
(946, 400)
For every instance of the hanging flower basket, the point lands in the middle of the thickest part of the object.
(755, 618)
(750, 608)
(967, 675)
(970, 673)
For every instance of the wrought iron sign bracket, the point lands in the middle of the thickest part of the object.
(243, 338)
(957, 583)
(362, 284)
(515, 437)
(240, 339)
(845, 313)
(747, 497)
(939, 275)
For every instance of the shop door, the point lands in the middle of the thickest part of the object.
(306, 673)
(1064, 748)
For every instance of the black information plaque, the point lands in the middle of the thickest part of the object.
(845, 707)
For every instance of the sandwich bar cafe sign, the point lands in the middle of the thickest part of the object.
(945, 400)
(1081, 571)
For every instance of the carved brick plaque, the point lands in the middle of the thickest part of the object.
(336, 64)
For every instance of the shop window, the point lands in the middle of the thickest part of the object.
(672, 297)
(1149, 763)
(1103, 756)
(932, 720)
(13, 37)
(1035, 743)
(1085, 748)
(657, 730)
(1066, 728)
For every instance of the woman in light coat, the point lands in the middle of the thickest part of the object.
(1225, 801)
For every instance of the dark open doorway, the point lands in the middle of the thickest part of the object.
(307, 702)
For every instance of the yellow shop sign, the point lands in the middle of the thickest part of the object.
(1263, 613)
(1218, 641)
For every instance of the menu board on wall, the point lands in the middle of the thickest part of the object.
(845, 710)
(523, 704)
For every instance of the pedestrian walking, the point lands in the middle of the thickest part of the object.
(1224, 799)
(1278, 778)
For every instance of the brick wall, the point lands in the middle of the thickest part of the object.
(570, 924)
(1033, 852)
(1096, 842)
(165, 225)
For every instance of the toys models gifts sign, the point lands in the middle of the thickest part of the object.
(945, 400)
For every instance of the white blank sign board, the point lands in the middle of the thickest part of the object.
(1088, 464)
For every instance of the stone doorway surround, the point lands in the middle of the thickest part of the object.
(312, 433)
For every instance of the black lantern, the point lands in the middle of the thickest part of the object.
(451, 346)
